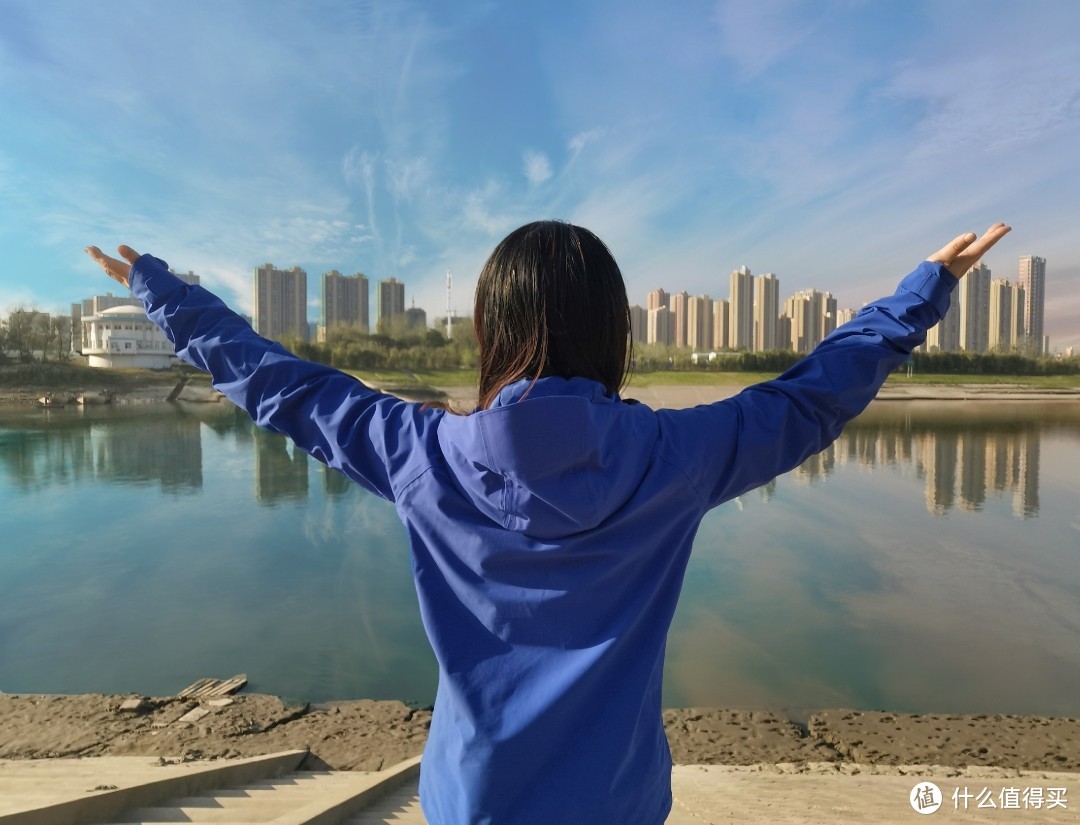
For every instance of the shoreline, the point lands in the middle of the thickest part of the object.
(367, 734)
(670, 396)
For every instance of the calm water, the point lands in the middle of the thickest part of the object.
(928, 561)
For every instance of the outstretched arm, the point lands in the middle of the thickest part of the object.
(369, 436)
(769, 428)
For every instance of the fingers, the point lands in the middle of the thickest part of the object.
(949, 252)
(992, 235)
(963, 252)
(115, 269)
(128, 254)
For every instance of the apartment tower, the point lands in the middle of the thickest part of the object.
(344, 301)
(1032, 278)
(280, 302)
(766, 312)
(974, 302)
(390, 302)
(741, 310)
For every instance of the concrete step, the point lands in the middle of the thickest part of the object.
(297, 798)
(96, 790)
(399, 807)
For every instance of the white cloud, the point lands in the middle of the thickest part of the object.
(537, 167)
(406, 177)
(479, 213)
(583, 139)
(358, 167)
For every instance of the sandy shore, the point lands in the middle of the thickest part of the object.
(369, 735)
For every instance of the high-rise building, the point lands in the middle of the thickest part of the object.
(344, 301)
(1032, 277)
(639, 323)
(828, 314)
(783, 331)
(721, 319)
(1006, 323)
(699, 323)
(741, 309)
(944, 336)
(99, 303)
(678, 307)
(845, 315)
(661, 326)
(280, 302)
(975, 309)
(800, 309)
(390, 302)
(415, 318)
(656, 299)
(766, 312)
(812, 315)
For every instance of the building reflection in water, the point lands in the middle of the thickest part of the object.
(281, 469)
(962, 453)
(961, 460)
(334, 483)
(164, 448)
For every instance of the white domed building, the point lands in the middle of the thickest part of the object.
(124, 337)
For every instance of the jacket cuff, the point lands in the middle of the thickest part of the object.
(932, 282)
(151, 280)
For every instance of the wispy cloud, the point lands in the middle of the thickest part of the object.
(537, 167)
(756, 35)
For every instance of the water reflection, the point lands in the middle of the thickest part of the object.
(77, 446)
(280, 470)
(961, 455)
(884, 572)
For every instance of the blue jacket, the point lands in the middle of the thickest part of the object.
(549, 536)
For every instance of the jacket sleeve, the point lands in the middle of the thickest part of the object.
(742, 442)
(375, 439)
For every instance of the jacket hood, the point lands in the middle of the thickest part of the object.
(550, 458)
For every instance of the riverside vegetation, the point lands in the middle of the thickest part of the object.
(36, 354)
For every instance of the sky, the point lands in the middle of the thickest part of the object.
(835, 144)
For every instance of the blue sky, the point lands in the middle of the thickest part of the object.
(835, 144)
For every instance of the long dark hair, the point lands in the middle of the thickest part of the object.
(551, 301)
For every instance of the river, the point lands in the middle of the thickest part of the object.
(929, 560)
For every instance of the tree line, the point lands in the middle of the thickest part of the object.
(348, 347)
(654, 357)
(29, 335)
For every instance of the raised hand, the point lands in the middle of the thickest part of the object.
(115, 269)
(960, 254)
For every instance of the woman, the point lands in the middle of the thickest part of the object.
(550, 529)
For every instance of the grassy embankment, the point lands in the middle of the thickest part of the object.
(695, 378)
(73, 377)
(742, 379)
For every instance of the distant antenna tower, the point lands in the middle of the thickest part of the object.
(449, 311)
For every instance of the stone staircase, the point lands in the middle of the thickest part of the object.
(263, 789)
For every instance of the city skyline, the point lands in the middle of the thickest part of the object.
(826, 142)
(986, 314)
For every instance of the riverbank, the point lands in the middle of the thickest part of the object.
(22, 385)
(371, 735)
